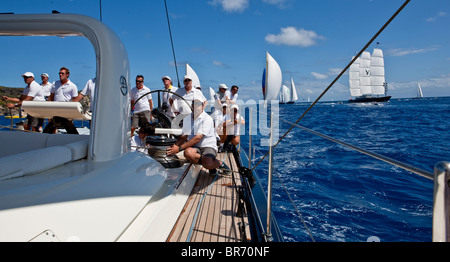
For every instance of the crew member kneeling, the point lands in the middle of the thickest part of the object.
(198, 139)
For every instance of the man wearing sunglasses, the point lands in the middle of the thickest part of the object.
(143, 107)
(198, 139)
(187, 93)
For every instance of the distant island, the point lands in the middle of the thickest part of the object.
(11, 92)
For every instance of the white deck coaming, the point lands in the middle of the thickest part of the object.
(82, 200)
(157, 219)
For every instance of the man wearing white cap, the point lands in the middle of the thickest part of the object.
(32, 92)
(198, 139)
(222, 95)
(46, 85)
(167, 96)
(187, 93)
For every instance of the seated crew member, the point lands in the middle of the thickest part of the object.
(232, 123)
(198, 139)
(138, 141)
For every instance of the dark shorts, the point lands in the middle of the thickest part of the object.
(34, 121)
(138, 118)
(207, 151)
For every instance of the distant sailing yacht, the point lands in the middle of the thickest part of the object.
(293, 93)
(285, 95)
(367, 78)
(419, 91)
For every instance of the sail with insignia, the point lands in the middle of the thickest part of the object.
(367, 78)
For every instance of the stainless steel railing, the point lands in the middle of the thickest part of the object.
(441, 202)
(441, 177)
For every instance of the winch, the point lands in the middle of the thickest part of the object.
(158, 150)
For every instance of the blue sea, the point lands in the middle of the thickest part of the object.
(346, 196)
(343, 195)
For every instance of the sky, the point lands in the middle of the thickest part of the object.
(225, 41)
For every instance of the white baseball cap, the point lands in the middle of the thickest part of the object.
(45, 74)
(28, 74)
(187, 77)
(223, 86)
(164, 77)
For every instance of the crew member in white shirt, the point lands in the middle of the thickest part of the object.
(46, 85)
(62, 90)
(89, 91)
(222, 95)
(32, 92)
(233, 95)
(232, 123)
(187, 93)
(166, 96)
(142, 111)
(138, 141)
(198, 139)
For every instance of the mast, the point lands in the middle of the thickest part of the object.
(171, 41)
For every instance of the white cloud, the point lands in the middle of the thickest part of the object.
(217, 63)
(331, 72)
(436, 17)
(292, 36)
(403, 52)
(231, 5)
(319, 76)
(279, 3)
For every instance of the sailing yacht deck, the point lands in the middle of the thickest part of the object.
(211, 212)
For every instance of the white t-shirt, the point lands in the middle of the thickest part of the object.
(89, 90)
(233, 97)
(179, 105)
(233, 129)
(165, 99)
(47, 88)
(143, 104)
(203, 125)
(64, 93)
(138, 145)
(34, 90)
(222, 97)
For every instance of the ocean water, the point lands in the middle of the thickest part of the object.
(346, 196)
(343, 195)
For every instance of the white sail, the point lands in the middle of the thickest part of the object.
(377, 78)
(294, 96)
(273, 78)
(191, 72)
(285, 94)
(355, 88)
(419, 91)
(364, 74)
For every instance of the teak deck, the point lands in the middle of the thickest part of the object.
(211, 212)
